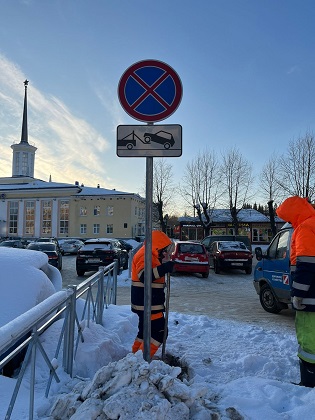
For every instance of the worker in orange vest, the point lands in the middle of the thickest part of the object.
(161, 248)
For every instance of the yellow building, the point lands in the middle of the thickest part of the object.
(31, 207)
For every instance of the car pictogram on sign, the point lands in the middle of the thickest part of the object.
(161, 137)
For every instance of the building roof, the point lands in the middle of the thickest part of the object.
(224, 216)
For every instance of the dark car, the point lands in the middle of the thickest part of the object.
(100, 252)
(12, 243)
(230, 254)
(208, 240)
(190, 257)
(51, 249)
(161, 137)
(51, 239)
(126, 245)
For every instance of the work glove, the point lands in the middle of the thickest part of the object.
(169, 266)
(297, 303)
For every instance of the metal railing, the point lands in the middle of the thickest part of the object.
(23, 332)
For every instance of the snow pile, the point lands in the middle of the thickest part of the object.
(133, 388)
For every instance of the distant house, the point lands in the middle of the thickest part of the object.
(251, 223)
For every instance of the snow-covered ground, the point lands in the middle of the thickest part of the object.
(220, 369)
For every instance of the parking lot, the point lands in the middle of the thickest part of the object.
(229, 295)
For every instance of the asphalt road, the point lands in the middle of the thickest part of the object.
(229, 295)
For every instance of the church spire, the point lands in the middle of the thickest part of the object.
(24, 136)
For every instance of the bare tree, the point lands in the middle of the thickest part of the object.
(199, 187)
(297, 168)
(270, 188)
(163, 191)
(236, 179)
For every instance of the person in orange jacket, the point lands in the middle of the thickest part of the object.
(300, 213)
(161, 245)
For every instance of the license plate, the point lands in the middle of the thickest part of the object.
(93, 260)
(238, 264)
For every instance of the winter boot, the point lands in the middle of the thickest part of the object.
(153, 349)
(136, 345)
(307, 371)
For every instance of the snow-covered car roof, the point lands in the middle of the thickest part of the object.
(26, 279)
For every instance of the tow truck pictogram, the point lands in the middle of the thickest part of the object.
(162, 137)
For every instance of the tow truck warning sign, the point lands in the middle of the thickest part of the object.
(149, 140)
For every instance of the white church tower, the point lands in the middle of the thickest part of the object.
(23, 152)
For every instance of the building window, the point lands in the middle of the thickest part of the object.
(17, 162)
(125, 225)
(110, 229)
(46, 217)
(29, 218)
(262, 235)
(97, 210)
(83, 211)
(64, 217)
(25, 164)
(83, 229)
(96, 228)
(13, 216)
(136, 211)
(110, 211)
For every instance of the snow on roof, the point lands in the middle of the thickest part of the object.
(36, 184)
(224, 215)
(100, 191)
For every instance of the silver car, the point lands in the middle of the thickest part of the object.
(71, 246)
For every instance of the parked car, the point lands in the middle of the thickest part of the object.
(51, 239)
(272, 279)
(208, 240)
(12, 243)
(70, 246)
(126, 245)
(190, 257)
(230, 254)
(51, 249)
(98, 252)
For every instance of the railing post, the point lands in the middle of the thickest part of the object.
(68, 348)
(100, 297)
(116, 268)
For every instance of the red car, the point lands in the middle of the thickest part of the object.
(190, 257)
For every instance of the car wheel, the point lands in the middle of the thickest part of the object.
(205, 275)
(147, 139)
(248, 270)
(80, 272)
(125, 267)
(216, 267)
(268, 300)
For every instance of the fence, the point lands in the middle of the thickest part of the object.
(22, 334)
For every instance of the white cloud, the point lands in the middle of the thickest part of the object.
(68, 147)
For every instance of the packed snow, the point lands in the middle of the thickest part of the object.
(215, 369)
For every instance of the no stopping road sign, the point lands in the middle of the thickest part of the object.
(150, 90)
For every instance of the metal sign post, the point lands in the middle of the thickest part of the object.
(148, 260)
(149, 91)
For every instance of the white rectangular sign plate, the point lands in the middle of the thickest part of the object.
(149, 140)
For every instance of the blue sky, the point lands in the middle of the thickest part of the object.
(247, 69)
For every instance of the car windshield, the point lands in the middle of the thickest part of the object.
(232, 245)
(5, 243)
(42, 247)
(191, 248)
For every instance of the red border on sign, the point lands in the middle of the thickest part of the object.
(170, 108)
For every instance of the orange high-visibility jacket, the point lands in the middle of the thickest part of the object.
(301, 214)
(159, 241)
